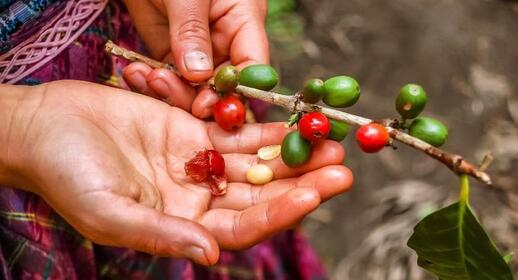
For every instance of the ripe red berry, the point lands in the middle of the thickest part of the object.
(372, 137)
(314, 126)
(208, 166)
(229, 113)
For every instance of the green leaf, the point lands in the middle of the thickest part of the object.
(452, 244)
(508, 257)
(294, 118)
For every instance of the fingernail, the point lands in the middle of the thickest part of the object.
(197, 61)
(160, 87)
(196, 253)
(138, 81)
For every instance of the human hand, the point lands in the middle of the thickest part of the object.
(111, 163)
(226, 31)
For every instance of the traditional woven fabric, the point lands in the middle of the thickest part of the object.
(51, 37)
(21, 13)
(36, 243)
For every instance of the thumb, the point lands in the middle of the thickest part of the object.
(145, 229)
(190, 38)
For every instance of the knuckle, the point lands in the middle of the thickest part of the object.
(193, 28)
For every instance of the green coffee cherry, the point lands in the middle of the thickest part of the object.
(226, 79)
(341, 91)
(313, 91)
(259, 76)
(411, 101)
(339, 130)
(295, 150)
(429, 130)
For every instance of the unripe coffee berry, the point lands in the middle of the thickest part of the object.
(226, 79)
(411, 101)
(259, 76)
(372, 137)
(429, 130)
(313, 91)
(339, 130)
(341, 91)
(295, 150)
(314, 126)
(229, 113)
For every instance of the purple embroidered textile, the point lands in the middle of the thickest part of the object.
(35, 243)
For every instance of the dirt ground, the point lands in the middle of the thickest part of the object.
(465, 54)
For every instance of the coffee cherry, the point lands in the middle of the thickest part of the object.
(372, 137)
(229, 113)
(226, 79)
(314, 126)
(259, 76)
(411, 101)
(429, 130)
(208, 166)
(216, 163)
(341, 91)
(313, 91)
(339, 130)
(295, 150)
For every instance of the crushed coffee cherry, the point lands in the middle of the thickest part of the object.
(208, 166)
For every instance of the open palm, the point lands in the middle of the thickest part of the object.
(112, 164)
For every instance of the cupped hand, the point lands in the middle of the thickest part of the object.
(196, 36)
(111, 163)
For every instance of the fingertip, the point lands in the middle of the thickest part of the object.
(333, 151)
(171, 88)
(208, 255)
(204, 102)
(308, 198)
(203, 248)
(341, 177)
(135, 76)
(136, 66)
(212, 256)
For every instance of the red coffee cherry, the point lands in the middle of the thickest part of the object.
(314, 126)
(372, 137)
(208, 166)
(229, 113)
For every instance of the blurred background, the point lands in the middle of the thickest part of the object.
(465, 55)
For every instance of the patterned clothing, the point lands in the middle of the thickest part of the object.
(36, 243)
(19, 16)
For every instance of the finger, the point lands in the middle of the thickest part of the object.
(233, 29)
(129, 224)
(135, 76)
(242, 54)
(204, 102)
(241, 229)
(190, 38)
(323, 154)
(248, 139)
(171, 88)
(328, 181)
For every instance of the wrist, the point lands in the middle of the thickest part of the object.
(11, 103)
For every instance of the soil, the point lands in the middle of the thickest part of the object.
(465, 54)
